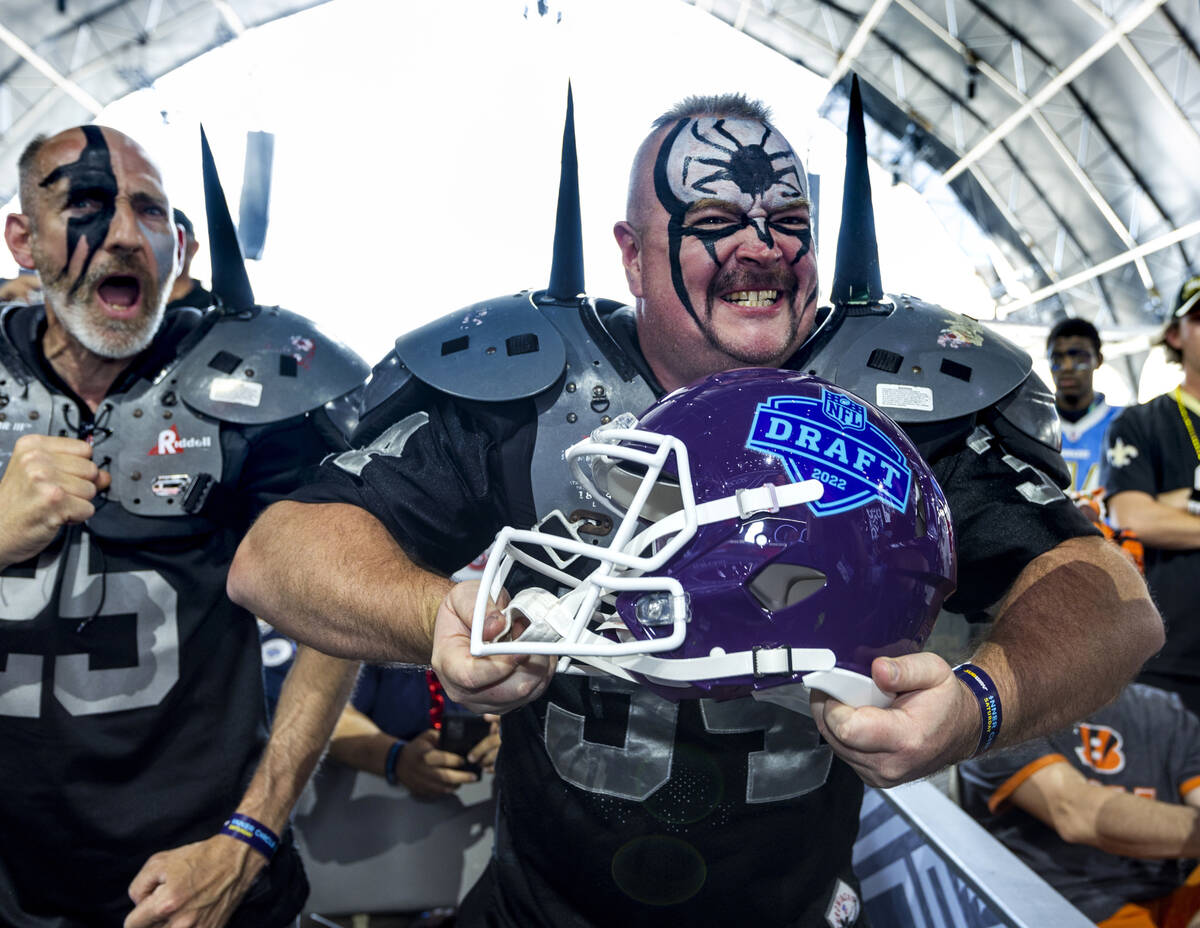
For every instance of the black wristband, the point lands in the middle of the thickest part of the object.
(984, 690)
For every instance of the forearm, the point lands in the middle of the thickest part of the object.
(1075, 627)
(1138, 827)
(359, 743)
(312, 698)
(1160, 523)
(330, 575)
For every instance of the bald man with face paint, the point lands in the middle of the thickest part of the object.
(97, 226)
(730, 277)
(618, 806)
(132, 720)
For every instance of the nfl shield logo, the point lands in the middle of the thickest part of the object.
(845, 412)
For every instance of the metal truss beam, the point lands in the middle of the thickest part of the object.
(1067, 283)
(1056, 144)
(859, 40)
(1064, 77)
(43, 67)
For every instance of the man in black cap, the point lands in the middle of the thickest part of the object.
(1152, 478)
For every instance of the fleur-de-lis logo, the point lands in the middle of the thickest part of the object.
(1120, 454)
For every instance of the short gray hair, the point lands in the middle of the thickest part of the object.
(25, 168)
(726, 105)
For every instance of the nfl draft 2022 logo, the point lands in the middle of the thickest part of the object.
(831, 439)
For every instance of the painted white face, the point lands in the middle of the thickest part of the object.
(739, 161)
(738, 241)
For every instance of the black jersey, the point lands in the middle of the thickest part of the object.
(618, 807)
(131, 703)
(1149, 449)
(1145, 743)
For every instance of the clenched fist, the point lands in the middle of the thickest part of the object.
(49, 482)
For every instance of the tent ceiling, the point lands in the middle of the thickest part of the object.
(1068, 130)
(61, 61)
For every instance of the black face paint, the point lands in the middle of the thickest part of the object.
(89, 178)
(748, 175)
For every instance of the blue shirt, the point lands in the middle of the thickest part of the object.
(1083, 444)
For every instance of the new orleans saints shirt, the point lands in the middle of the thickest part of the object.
(131, 700)
(1145, 743)
(1149, 450)
(618, 807)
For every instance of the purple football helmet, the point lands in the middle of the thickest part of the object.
(772, 529)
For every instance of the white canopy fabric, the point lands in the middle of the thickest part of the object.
(1068, 130)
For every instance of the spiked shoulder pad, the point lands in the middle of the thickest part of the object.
(265, 365)
(497, 350)
(919, 362)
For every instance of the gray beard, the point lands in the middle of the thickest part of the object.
(108, 338)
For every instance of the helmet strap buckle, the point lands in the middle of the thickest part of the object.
(759, 673)
(756, 500)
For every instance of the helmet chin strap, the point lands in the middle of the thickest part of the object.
(550, 619)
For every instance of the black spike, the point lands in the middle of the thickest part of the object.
(566, 267)
(856, 270)
(230, 282)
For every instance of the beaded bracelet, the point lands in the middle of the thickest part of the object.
(254, 833)
(984, 690)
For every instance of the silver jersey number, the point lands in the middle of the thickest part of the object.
(81, 689)
(793, 760)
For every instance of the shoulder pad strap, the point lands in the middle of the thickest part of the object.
(919, 362)
(388, 376)
(497, 350)
(264, 366)
(1030, 408)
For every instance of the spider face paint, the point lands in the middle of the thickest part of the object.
(739, 245)
(104, 243)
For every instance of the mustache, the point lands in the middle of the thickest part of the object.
(779, 277)
(119, 264)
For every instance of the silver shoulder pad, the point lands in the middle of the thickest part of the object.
(497, 350)
(265, 366)
(593, 393)
(919, 362)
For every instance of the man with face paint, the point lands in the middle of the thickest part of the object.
(730, 278)
(133, 738)
(618, 807)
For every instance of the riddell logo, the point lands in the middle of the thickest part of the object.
(169, 442)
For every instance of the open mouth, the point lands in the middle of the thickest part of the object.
(120, 293)
(752, 299)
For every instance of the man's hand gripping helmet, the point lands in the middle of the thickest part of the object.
(771, 529)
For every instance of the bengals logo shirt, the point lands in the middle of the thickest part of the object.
(1144, 743)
